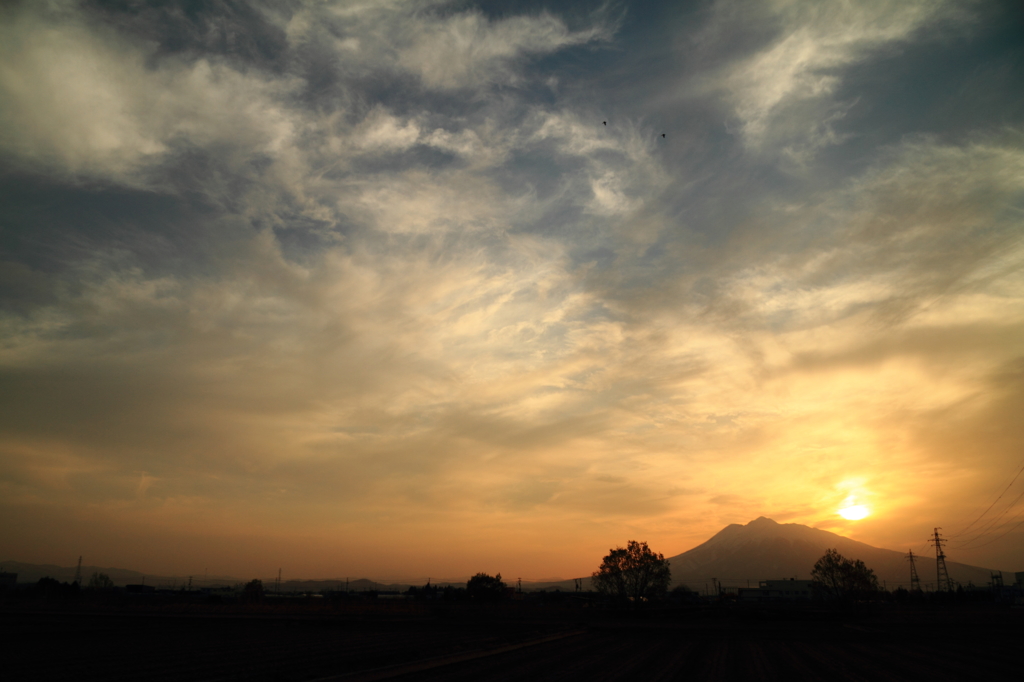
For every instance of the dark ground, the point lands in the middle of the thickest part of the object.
(411, 641)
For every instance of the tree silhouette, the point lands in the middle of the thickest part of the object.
(100, 581)
(49, 588)
(483, 587)
(634, 574)
(836, 577)
(253, 591)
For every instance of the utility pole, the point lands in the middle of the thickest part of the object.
(78, 572)
(915, 582)
(941, 574)
(997, 582)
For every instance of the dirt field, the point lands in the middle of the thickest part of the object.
(510, 644)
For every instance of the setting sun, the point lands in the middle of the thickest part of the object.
(854, 513)
(407, 289)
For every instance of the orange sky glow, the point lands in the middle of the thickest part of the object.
(388, 299)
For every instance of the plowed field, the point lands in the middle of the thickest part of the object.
(478, 645)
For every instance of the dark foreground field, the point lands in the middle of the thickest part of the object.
(510, 643)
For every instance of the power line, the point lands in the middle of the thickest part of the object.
(965, 529)
(999, 537)
(988, 527)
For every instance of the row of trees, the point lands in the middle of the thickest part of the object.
(635, 574)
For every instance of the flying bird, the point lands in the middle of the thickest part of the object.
(605, 122)
(663, 134)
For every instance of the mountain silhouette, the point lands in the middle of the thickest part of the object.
(737, 556)
(766, 550)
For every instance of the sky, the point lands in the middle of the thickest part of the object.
(406, 288)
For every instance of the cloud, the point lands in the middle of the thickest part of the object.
(381, 130)
(467, 49)
(446, 49)
(929, 225)
(781, 94)
(378, 282)
(68, 93)
(85, 100)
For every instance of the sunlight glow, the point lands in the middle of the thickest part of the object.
(854, 513)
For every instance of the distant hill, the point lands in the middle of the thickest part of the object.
(31, 573)
(336, 585)
(736, 556)
(766, 550)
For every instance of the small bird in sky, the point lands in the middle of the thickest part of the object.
(605, 122)
(663, 134)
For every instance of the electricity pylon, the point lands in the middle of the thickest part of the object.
(915, 582)
(941, 574)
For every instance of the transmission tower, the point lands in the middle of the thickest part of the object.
(915, 582)
(78, 572)
(941, 574)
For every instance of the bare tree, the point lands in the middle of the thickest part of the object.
(100, 581)
(836, 577)
(634, 574)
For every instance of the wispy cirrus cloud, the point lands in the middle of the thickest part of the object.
(380, 272)
(783, 93)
